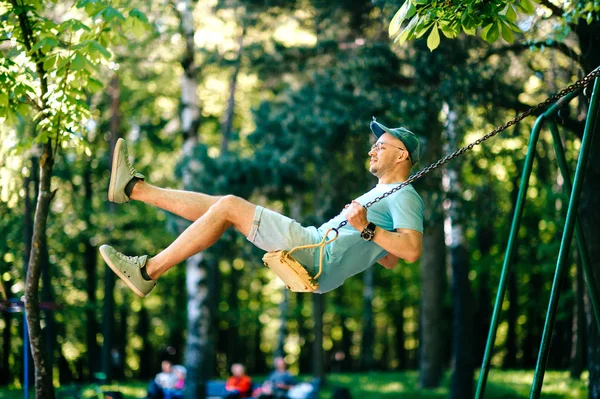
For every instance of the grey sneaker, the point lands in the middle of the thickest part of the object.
(128, 269)
(121, 173)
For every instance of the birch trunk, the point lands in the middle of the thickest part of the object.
(229, 113)
(199, 341)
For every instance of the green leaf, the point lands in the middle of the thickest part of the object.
(511, 14)
(136, 13)
(490, 33)
(94, 85)
(78, 62)
(138, 28)
(433, 41)
(448, 31)
(111, 13)
(3, 100)
(45, 44)
(407, 10)
(507, 33)
(401, 38)
(469, 31)
(96, 47)
(410, 28)
(49, 62)
(526, 6)
(423, 26)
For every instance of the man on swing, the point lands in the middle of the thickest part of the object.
(389, 230)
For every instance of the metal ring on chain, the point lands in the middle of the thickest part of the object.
(582, 83)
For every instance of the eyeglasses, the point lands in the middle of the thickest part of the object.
(378, 146)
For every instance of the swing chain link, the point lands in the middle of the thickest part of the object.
(580, 84)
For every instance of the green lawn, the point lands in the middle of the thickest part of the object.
(399, 385)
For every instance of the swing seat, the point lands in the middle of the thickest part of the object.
(290, 271)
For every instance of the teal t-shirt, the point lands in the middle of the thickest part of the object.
(350, 254)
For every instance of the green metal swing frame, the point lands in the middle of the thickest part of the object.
(572, 225)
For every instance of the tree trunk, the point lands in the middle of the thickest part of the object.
(233, 333)
(30, 203)
(461, 383)
(304, 362)
(400, 338)
(341, 361)
(589, 42)
(283, 309)
(318, 358)
(148, 358)
(590, 220)
(198, 357)
(229, 113)
(510, 360)
(577, 363)
(199, 343)
(432, 279)
(47, 295)
(368, 333)
(108, 310)
(43, 374)
(90, 256)
(5, 371)
(432, 319)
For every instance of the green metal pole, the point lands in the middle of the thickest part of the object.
(514, 229)
(538, 377)
(579, 236)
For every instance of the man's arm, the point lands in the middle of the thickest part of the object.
(388, 261)
(405, 244)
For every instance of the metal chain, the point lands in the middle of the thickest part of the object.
(580, 84)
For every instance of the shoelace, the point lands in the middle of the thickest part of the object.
(132, 259)
(132, 170)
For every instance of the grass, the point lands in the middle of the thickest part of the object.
(397, 385)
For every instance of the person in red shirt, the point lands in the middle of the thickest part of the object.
(239, 385)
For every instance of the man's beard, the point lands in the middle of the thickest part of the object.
(374, 170)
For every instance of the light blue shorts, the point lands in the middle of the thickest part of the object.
(272, 231)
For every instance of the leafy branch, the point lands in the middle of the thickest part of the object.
(417, 17)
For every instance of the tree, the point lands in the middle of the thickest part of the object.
(45, 78)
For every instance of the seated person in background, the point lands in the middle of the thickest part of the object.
(278, 383)
(163, 381)
(180, 373)
(239, 385)
(176, 392)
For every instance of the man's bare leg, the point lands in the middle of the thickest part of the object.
(204, 232)
(187, 204)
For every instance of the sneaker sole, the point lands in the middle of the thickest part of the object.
(120, 274)
(113, 171)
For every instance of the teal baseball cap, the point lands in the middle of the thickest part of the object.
(408, 138)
